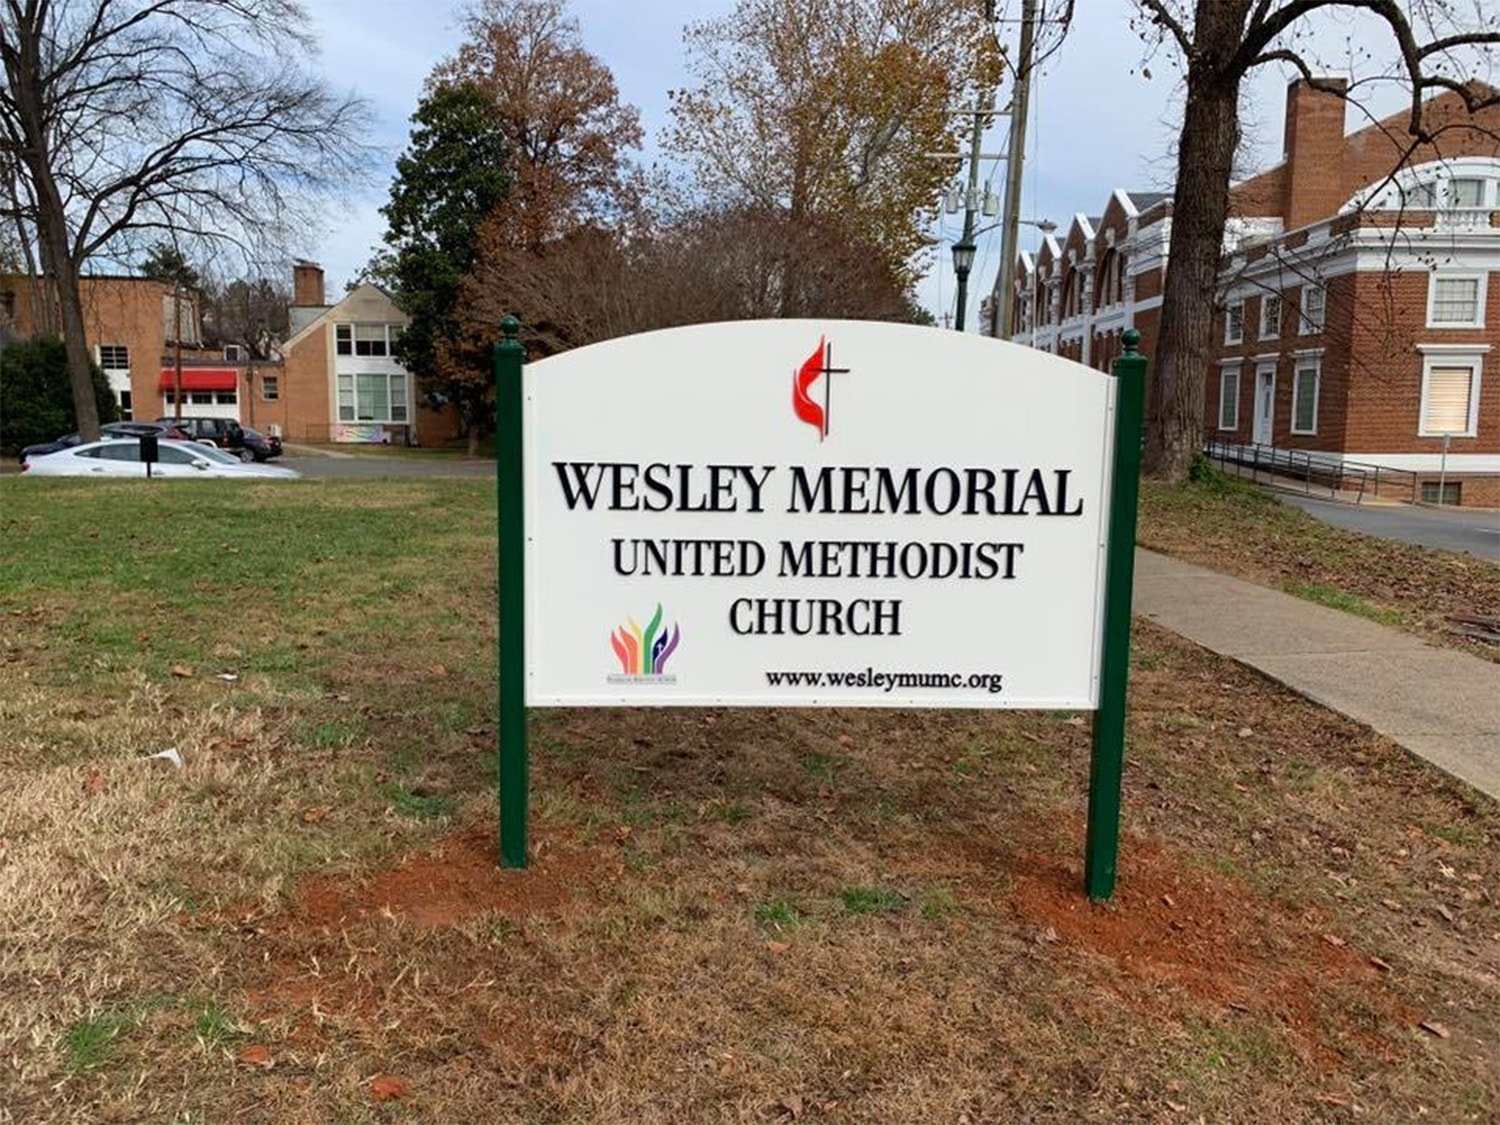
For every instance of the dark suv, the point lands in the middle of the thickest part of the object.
(226, 433)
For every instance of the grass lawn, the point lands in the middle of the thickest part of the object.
(1236, 528)
(834, 915)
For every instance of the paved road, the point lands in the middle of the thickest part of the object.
(1458, 530)
(315, 465)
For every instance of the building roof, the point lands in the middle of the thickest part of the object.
(1145, 200)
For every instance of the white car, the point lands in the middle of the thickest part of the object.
(177, 460)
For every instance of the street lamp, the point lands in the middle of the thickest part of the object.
(963, 262)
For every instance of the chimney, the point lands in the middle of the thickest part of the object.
(1314, 143)
(307, 283)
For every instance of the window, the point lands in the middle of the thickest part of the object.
(369, 339)
(125, 413)
(1305, 379)
(366, 339)
(172, 456)
(1450, 395)
(201, 398)
(270, 387)
(398, 398)
(1466, 193)
(1234, 323)
(372, 396)
(1229, 397)
(1270, 317)
(120, 451)
(114, 357)
(1444, 492)
(1422, 195)
(227, 398)
(1456, 301)
(1313, 298)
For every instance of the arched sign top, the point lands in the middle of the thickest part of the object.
(814, 512)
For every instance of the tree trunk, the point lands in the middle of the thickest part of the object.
(25, 77)
(1205, 158)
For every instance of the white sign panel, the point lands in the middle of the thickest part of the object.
(814, 513)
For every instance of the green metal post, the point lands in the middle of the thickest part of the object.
(510, 356)
(1103, 845)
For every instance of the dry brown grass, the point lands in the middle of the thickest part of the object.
(1236, 528)
(733, 915)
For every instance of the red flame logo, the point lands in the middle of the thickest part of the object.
(807, 410)
(818, 365)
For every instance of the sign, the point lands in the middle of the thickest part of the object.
(814, 513)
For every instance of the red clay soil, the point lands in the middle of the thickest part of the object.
(456, 879)
(1211, 938)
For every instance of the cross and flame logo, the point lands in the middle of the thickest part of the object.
(819, 364)
(644, 652)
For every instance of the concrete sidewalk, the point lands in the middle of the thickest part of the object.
(1440, 704)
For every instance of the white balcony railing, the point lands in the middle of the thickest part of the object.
(1463, 219)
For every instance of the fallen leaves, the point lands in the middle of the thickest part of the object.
(258, 1056)
(1432, 1027)
(387, 1087)
(182, 671)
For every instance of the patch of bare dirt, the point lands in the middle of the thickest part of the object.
(456, 879)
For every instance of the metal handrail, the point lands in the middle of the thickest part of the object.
(1310, 467)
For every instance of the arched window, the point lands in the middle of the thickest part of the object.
(1111, 289)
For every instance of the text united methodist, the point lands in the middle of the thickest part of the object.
(848, 490)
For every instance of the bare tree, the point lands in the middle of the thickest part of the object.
(125, 120)
(732, 264)
(1221, 41)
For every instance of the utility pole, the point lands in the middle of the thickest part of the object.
(963, 250)
(177, 346)
(1013, 167)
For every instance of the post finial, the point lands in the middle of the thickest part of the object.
(1132, 341)
(508, 344)
(510, 326)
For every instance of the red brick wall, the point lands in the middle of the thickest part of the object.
(1385, 368)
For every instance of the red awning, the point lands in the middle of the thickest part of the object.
(201, 378)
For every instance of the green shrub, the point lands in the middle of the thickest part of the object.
(36, 402)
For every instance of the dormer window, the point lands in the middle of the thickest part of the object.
(1466, 192)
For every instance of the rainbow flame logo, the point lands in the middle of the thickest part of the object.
(644, 652)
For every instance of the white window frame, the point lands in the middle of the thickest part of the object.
(1306, 326)
(1302, 365)
(1234, 338)
(1267, 300)
(270, 388)
(393, 401)
(1480, 298)
(1452, 355)
(1237, 368)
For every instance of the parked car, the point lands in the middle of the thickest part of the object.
(226, 433)
(263, 446)
(109, 429)
(121, 457)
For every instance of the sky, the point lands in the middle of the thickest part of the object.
(1098, 121)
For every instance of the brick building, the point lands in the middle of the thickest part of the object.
(340, 380)
(335, 381)
(1356, 309)
(133, 327)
